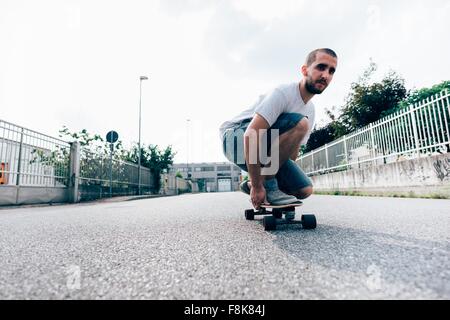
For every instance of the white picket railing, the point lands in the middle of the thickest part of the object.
(420, 130)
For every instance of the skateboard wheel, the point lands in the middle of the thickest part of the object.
(250, 214)
(270, 223)
(277, 213)
(309, 221)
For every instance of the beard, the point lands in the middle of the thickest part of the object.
(311, 88)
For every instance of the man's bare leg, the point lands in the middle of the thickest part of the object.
(288, 144)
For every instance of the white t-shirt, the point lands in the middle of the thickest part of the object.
(283, 99)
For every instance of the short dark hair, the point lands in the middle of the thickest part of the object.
(312, 55)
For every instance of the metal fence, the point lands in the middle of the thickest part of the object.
(30, 158)
(96, 179)
(420, 130)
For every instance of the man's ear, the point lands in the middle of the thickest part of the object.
(304, 70)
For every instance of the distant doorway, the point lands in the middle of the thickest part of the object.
(224, 185)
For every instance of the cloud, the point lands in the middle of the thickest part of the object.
(269, 40)
(179, 7)
(241, 43)
(269, 10)
(206, 60)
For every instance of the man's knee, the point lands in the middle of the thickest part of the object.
(304, 193)
(301, 128)
(303, 125)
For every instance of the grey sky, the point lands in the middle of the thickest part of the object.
(77, 63)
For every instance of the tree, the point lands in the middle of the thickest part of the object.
(418, 95)
(94, 157)
(179, 175)
(366, 103)
(158, 161)
(93, 143)
(320, 137)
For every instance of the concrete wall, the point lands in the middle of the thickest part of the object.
(424, 176)
(172, 185)
(41, 192)
(183, 185)
(13, 195)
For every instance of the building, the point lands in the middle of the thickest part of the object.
(211, 177)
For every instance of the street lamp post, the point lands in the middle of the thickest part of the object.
(139, 143)
(187, 147)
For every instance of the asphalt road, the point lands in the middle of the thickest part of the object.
(201, 247)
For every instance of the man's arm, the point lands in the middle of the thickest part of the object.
(257, 191)
(254, 170)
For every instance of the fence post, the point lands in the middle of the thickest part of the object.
(74, 172)
(345, 151)
(414, 125)
(19, 164)
(372, 139)
(448, 108)
(326, 155)
(19, 167)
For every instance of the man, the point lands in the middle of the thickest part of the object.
(287, 114)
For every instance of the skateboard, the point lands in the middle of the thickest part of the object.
(273, 217)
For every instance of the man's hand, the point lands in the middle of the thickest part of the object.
(257, 196)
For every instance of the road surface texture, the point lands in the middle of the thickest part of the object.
(199, 246)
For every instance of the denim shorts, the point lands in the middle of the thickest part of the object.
(290, 176)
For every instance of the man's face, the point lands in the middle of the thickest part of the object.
(320, 73)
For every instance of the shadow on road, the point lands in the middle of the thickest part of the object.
(397, 259)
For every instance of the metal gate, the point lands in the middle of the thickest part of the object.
(224, 185)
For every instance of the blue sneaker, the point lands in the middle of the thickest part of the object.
(277, 197)
(244, 187)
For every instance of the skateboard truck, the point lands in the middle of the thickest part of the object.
(274, 216)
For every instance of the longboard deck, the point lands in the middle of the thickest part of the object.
(270, 206)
